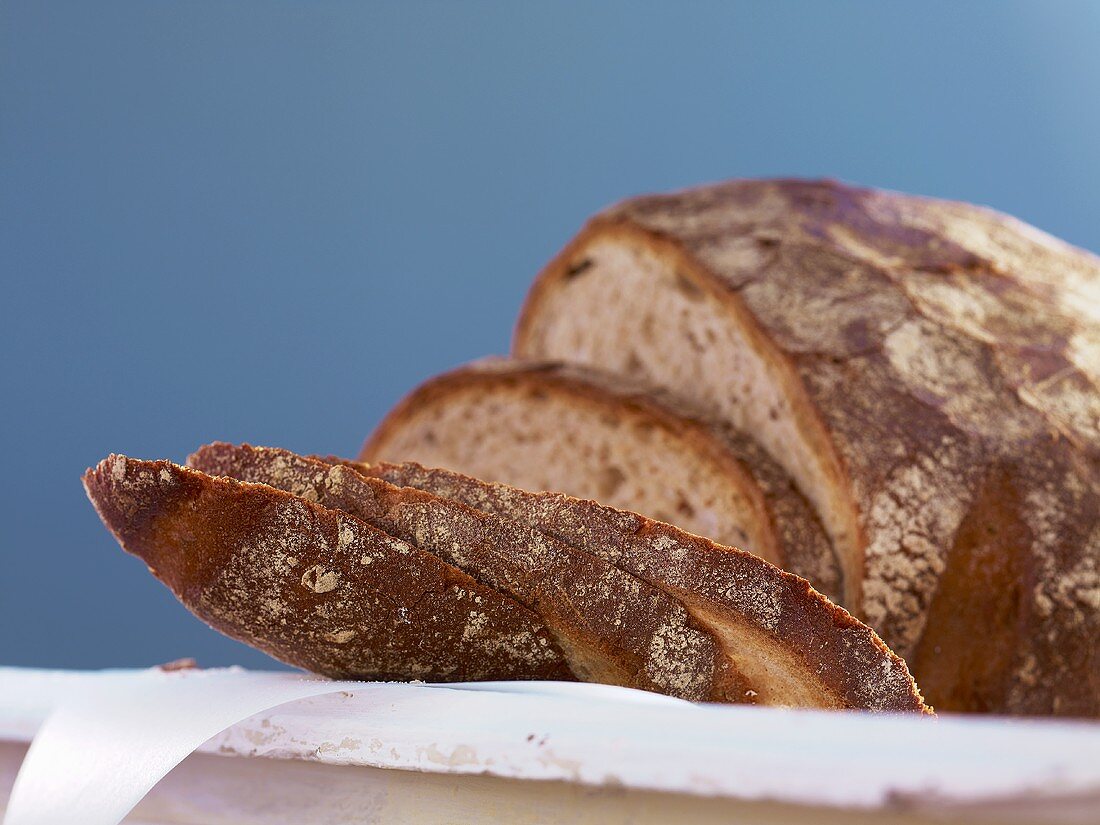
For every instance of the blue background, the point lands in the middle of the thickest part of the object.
(267, 221)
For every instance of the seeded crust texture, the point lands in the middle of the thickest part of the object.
(548, 426)
(315, 587)
(785, 643)
(927, 371)
(613, 627)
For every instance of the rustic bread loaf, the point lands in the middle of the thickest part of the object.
(545, 426)
(315, 587)
(612, 627)
(762, 636)
(787, 644)
(926, 371)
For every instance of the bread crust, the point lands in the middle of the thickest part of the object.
(611, 626)
(842, 660)
(313, 587)
(794, 538)
(935, 354)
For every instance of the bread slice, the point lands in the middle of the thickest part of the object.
(929, 374)
(612, 627)
(315, 587)
(787, 643)
(546, 426)
(778, 641)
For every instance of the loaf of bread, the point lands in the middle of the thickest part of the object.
(927, 372)
(331, 567)
(315, 587)
(544, 426)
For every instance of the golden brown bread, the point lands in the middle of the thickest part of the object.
(928, 371)
(611, 626)
(779, 642)
(622, 442)
(315, 587)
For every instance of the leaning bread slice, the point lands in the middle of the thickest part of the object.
(613, 627)
(547, 426)
(314, 587)
(789, 644)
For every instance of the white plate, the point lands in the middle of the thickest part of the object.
(115, 734)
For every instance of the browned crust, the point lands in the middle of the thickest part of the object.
(934, 344)
(847, 659)
(805, 549)
(795, 538)
(313, 587)
(612, 626)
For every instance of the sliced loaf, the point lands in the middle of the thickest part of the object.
(927, 371)
(314, 587)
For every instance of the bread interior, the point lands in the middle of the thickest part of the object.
(544, 439)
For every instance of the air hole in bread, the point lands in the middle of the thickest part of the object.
(611, 479)
(578, 267)
(688, 288)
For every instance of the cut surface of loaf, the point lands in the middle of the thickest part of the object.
(546, 426)
(612, 627)
(315, 587)
(786, 643)
(927, 371)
